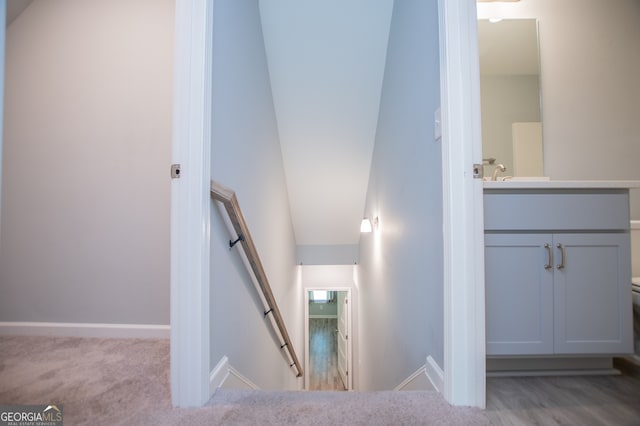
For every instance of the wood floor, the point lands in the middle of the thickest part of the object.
(323, 355)
(580, 400)
(511, 401)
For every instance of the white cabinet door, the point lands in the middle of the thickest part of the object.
(519, 294)
(593, 309)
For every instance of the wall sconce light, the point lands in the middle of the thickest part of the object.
(367, 225)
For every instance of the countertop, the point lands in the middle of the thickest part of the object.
(562, 184)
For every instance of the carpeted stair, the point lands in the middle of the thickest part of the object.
(334, 408)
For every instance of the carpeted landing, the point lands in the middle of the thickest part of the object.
(126, 382)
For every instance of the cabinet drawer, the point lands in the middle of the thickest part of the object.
(568, 210)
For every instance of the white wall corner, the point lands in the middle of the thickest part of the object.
(104, 331)
(224, 376)
(434, 374)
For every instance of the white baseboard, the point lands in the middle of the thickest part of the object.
(552, 373)
(417, 381)
(435, 374)
(500, 367)
(219, 374)
(64, 329)
(224, 376)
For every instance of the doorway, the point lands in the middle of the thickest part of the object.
(328, 348)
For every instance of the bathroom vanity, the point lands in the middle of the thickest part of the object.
(557, 272)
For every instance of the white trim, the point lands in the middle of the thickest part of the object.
(464, 321)
(3, 39)
(244, 382)
(221, 374)
(419, 372)
(435, 374)
(305, 385)
(116, 331)
(191, 203)
(552, 373)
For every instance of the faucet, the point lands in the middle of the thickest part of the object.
(499, 168)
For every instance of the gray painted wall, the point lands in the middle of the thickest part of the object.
(401, 272)
(246, 157)
(323, 309)
(87, 143)
(341, 254)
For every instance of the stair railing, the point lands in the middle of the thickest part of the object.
(230, 202)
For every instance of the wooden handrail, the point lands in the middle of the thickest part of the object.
(228, 198)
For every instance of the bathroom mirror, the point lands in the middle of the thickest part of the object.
(510, 96)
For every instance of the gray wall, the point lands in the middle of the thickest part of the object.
(401, 272)
(87, 143)
(590, 64)
(323, 309)
(246, 157)
(341, 254)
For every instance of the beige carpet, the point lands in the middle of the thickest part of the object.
(113, 381)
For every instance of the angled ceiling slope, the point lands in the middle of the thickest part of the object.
(326, 62)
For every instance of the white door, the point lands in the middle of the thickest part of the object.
(343, 337)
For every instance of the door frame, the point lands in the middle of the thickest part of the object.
(349, 333)
(464, 322)
(463, 220)
(191, 204)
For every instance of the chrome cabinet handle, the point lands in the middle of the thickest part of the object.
(549, 265)
(563, 258)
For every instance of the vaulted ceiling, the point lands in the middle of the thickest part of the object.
(326, 61)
